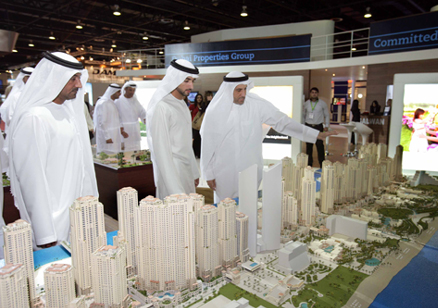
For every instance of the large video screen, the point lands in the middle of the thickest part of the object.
(419, 132)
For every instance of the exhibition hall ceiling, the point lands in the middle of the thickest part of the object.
(96, 25)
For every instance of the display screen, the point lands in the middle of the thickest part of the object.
(419, 132)
(192, 96)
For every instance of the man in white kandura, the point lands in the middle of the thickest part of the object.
(232, 134)
(130, 110)
(8, 107)
(107, 122)
(50, 162)
(169, 128)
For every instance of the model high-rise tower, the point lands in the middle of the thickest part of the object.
(308, 207)
(290, 214)
(207, 245)
(339, 184)
(109, 276)
(327, 186)
(166, 243)
(302, 160)
(198, 201)
(59, 285)
(87, 235)
(127, 202)
(18, 250)
(242, 236)
(353, 187)
(13, 286)
(287, 173)
(227, 233)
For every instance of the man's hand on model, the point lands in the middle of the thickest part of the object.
(48, 245)
(326, 129)
(212, 184)
(109, 141)
(325, 134)
(196, 182)
(124, 134)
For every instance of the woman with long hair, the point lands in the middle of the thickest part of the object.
(354, 115)
(418, 141)
(197, 115)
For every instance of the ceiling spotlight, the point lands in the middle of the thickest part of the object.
(145, 38)
(14, 50)
(128, 61)
(334, 75)
(186, 25)
(51, 37)
(244, 12)
(363, 67)
(367, 13)
(139, 60)
(353, 49)
(91, 59)
(31, 45)
(82, 58)
(117, 10)
(161, 52)
(114, 44)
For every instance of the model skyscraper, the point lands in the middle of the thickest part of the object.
(87, 235)
(127, 203)
(59, 285)
(18, 250)
(327, 186)
(308, 201)
(227, 233)
(207, 245)
(242, 225)
(109, 276)
(14, 290)
(166, 243)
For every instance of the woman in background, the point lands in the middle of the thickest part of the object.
(195, 109)
(418, 141)
(375, 108)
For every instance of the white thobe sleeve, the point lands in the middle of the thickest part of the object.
(30, 148)
(163, 151)
(272, 116)
(194, 164)
(103, 120)
(141, 112)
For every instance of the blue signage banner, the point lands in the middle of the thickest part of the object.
(261, 51)
(404, 34)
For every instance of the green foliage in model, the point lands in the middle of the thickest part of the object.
(233, 292)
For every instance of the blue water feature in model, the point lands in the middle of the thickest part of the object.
(416, 284)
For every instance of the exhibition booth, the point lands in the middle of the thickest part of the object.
(283, 68)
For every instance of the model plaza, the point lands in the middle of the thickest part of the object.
(180, 251)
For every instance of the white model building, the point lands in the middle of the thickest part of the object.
(242, 225)
(287, 173)
(127, 202)
(166, 243)
(290, 211)
(382, 151)
(396, 170)
(353, 183)
(293, 257)
(109, 276)
(308, 206)
(327, 186)
(302, 160)
(18, 250)
(207, 245)
(227, 233)
(198, 201)
(347, 226)
(87, 224)
(13, 286)
(59, 285)
(339, 182)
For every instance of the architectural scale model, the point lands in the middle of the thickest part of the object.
(180, 252)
